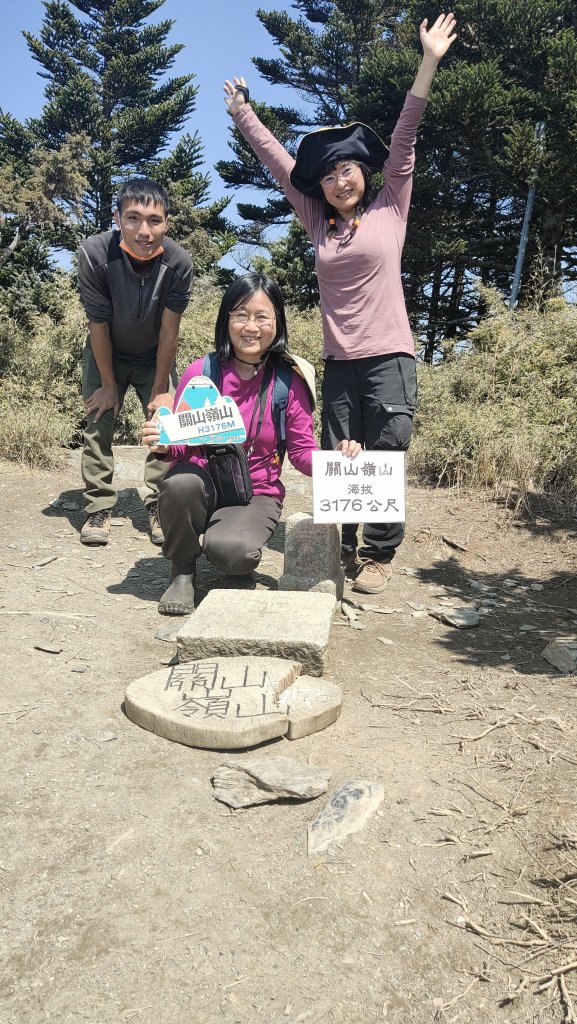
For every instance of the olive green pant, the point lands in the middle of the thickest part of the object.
(97, 456)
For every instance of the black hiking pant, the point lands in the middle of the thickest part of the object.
(372, 401)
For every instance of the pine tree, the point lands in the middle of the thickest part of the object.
(514, 63)
(322, 55)
(106, 79)
(40, 193)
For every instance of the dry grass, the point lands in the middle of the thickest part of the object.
(501, 415)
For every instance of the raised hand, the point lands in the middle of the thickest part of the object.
(233, 95)
(437, 40)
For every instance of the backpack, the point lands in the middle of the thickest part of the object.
(280, 391)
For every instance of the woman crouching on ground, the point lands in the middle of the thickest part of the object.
(250, 341)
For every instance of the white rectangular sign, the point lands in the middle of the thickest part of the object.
(368, 489)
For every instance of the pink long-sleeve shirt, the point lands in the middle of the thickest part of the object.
(362, 302)
(264, 463)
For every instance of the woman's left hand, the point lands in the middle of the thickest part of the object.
(438, 39)
(234, 97)
(349, 448)
(150, 436)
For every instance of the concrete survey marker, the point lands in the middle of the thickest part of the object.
(231, 703)
(312, 556)
(289, 625)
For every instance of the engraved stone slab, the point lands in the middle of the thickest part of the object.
(312, 556)
(218, 703)
(347, 811)
(562, 653)
(310, 705)
(261, 623)
(232, 703)
(262, 780)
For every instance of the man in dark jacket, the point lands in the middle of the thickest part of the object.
(134, 284)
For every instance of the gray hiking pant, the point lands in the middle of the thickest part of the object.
(97, 456)
(372, 401)
(233, 537)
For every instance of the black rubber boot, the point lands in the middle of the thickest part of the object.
(179, 598)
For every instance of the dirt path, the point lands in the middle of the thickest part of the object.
(131, 895)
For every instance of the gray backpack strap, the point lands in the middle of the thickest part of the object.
(282, 382)
(211, 368)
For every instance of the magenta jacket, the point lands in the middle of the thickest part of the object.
(264, 462)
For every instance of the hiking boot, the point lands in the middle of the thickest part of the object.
(373, 577)
(156, 533)
(96, 528)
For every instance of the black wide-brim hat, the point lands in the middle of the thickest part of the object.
(323, 148)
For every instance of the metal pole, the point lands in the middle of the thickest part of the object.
(539, 135)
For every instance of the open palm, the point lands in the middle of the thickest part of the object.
(437, 40)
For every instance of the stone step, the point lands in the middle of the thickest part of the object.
(290, 625)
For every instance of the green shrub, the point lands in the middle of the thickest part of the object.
(502, 413)
(41, 377)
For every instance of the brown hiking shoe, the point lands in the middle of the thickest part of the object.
(373, 577)
(96, 528)
(156, 532)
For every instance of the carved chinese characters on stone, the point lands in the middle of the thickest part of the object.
(232, 703)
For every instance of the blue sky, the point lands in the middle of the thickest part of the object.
(219, 38)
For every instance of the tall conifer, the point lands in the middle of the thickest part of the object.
(106, 65)
(514, 63)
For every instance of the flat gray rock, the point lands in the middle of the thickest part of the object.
(262, 780)
(347, 811)
(462, 618)
(384, 610)
(261, 623)
(482, 587)
(562, 654)
(168, 633)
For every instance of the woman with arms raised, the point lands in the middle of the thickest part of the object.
(369, 385)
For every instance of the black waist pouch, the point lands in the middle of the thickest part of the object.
(228, 468)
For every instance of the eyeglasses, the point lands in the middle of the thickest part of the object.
(260, 319)
(345, 173)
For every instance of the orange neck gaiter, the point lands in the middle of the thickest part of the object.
(141, 259)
